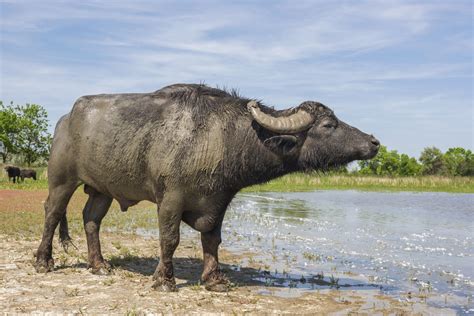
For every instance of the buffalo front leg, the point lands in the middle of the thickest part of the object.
(169, 219)
(212, 277)
(96, 207)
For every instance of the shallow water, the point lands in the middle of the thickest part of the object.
(413, 246)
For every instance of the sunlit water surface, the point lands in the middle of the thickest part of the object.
(404, 244)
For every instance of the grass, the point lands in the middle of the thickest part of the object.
(22, 212)
(299, 182)
(334, 282)
(311, 256)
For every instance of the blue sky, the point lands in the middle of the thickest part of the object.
(401, 70)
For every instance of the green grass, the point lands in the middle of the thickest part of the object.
(29, 222)
(299, 182)
(309, 182)
(29, 184)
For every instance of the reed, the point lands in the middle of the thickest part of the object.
(314, 181)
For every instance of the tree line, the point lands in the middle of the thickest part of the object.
(24, 133)
(455, 161)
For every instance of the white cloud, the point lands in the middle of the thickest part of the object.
(283, 52)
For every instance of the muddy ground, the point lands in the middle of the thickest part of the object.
(72, 289)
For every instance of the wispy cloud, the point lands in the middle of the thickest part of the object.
(365, 58)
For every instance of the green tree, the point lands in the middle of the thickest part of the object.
(9, 129)
(466, 168)
(384, 163)
(409, 166)
(390, 164)
(431, 159)
(369, 167)
(33, 138)
(458, 162)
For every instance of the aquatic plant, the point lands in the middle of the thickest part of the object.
(334, 282)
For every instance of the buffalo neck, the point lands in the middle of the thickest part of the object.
(252, 161)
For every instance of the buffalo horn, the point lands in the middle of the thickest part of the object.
(295, 123)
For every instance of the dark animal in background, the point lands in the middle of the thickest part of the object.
(13, 173)
(189, 148)
(27, 173)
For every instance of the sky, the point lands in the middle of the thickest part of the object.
(401, 70)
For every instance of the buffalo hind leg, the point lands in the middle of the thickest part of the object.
(55, 208)
(96, 207)
(212, 277)
(169, 219)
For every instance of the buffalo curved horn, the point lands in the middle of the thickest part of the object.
(291, 124)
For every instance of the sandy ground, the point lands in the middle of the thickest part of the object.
(72, 289)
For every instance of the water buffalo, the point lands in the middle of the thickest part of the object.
(189, 148)
(13, 173)
(27, 173)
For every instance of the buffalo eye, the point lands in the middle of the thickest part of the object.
(329, 125)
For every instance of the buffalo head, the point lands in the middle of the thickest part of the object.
(314, 136)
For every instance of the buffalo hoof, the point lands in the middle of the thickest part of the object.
(44, 266)
(217, 282)
(219, 287)
(102, 269)
(165, 286)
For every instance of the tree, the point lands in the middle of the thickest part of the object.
(466, 168)
(33, 137)
(458, 162)
(431, 159)
(390, 163)
(368, 167)
(384, 163)
(9, 129)
(408, 166)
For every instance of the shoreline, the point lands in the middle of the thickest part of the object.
(360, 189)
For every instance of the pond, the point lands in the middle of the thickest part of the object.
(407, 245)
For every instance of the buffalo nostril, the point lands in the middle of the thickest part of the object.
(375, 141)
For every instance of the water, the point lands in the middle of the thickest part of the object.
(415, 246)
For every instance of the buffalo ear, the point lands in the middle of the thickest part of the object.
(282, 144)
